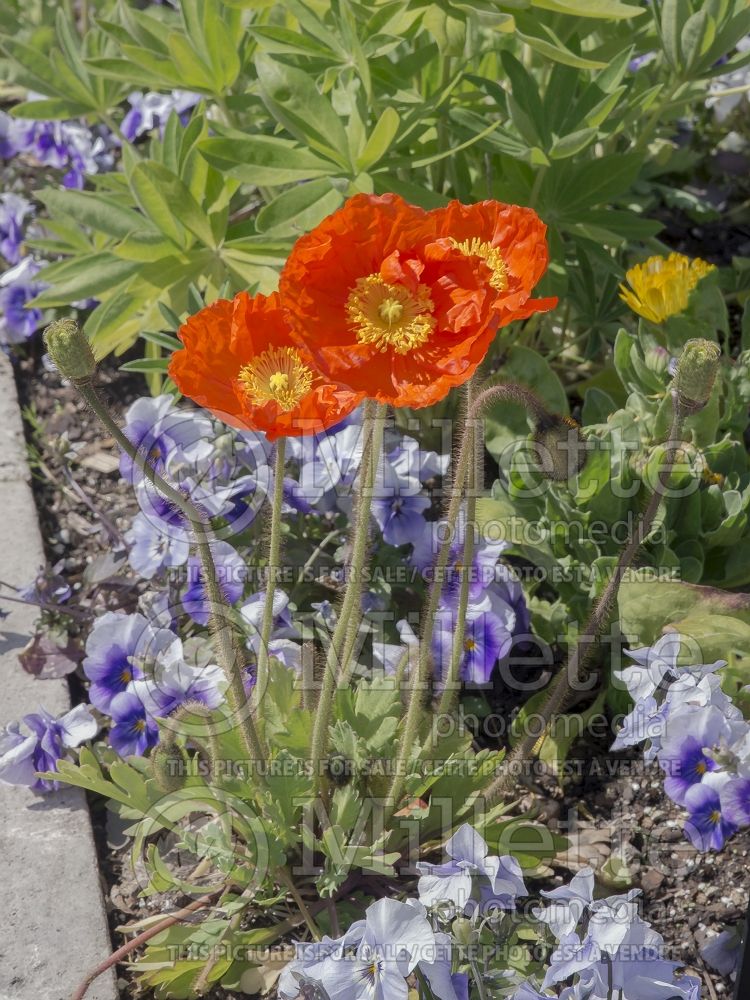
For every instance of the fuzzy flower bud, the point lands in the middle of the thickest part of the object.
(70, 350)
(169, 767)
(696, 373)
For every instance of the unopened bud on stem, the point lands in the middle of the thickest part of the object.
(696, 373)
(70, 350)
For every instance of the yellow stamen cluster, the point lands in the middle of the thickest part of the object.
(390, 316)
(490, 255)
(660, 287)
(276, 376)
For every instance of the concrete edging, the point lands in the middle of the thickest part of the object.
(55, 925)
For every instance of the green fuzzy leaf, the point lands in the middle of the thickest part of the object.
(648, 607)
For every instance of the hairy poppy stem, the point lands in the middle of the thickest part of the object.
(452, 681)
(418, 679)
(225, 640)
(347, 624)
(274, 551)
(583, 649)
(129, 946)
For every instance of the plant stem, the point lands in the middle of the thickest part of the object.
(223, 635)
(566, 680)
(336, 667)
(274, 550)
(301, 904)
(129, 946)
(508, 392)
(452, 680)
(653, 119)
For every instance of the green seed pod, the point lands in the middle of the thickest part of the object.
(169, 766)
(697, 368)
(70, 350)
(560, 450)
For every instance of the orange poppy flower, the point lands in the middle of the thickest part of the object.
(395, 305)
(242, 362)
(511, 240)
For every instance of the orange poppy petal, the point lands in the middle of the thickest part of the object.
(385, 305)
(242, 362)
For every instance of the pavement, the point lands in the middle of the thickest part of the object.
(54, 928)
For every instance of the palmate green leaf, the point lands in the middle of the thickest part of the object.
(118, 68)
(88, 275)
(165, 340)
(607, 10)
(126, 784)
(117, 321)
(143, 245)
(50, 109)
(380, 139)
(296, 103)
(553, 48)
(156, 186)
(33, 70)
(576, 187)
(674, 16)
(299, 208)
(267, 161)
(146, 365)
(524, 101)
(101, 212)
(146, 184)
(572, 143)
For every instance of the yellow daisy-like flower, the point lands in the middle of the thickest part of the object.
(660, 287)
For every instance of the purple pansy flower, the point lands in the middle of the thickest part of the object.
(152, 110)
(17, 289)
(488, 637)
(13, 211)
(472, 877)
(686, 765)
(706, 827)
(735, 801)
(400, 518)
(172, 681)
(21, 757)
(723, 952)
(568, 903)
(117, 648)
(231, 573)
(395, 937)
(133, 732)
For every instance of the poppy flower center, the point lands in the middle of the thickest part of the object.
(390, 316)
(490, 255)
(276, 376)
